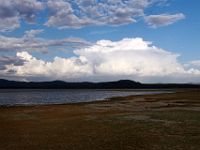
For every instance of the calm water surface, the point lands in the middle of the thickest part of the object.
(35, 97)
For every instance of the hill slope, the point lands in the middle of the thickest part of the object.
(121, 84)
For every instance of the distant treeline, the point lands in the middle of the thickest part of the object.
(121, 84)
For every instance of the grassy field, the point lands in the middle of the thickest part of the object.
(150, 122)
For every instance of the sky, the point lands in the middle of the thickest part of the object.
(151, 41)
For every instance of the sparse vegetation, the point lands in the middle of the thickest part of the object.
(150, 122)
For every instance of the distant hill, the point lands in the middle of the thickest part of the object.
(121, 84)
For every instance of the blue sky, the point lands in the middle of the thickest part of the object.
(77, 36)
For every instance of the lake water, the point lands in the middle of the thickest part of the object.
(36, 97)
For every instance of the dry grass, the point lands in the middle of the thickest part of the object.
(151, 122)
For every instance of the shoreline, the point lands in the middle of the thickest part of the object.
(164, 91)
(142, 122)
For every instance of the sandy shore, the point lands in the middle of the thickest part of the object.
(150, 122)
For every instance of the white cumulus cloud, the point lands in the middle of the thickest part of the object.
(131, 58)
(195, 63)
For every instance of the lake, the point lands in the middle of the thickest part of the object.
(11, 97)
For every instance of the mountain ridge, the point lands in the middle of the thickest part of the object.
(120, 84)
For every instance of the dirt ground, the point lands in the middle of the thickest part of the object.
(150, 122)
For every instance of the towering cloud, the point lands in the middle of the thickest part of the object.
(131, 58)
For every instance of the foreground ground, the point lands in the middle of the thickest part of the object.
(151, 122)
